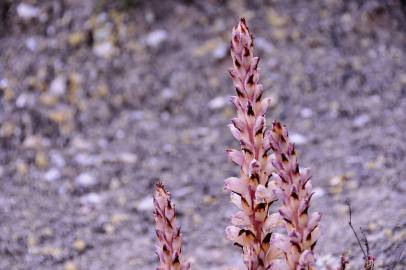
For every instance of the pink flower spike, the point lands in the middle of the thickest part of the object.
(168, 233)
(296, 189)
(253, 186)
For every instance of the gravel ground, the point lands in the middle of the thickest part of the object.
(99, 100)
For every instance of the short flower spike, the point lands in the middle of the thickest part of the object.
(169, 236)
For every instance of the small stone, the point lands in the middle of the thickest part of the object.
(70, 265)
(58, 86)
(127, 157)
(306, 113)
(376, 163)
(86, 180)
(318, 192)
(352, 184)
(41, 160)
(298, 139)
(208, 199)
(79, 245)
(117, 219)
(361, 120)
(23, 101)
(52, 175)
(21, 167)
(155, 38)
(91, 198)
(31, 44)
(76, 38)
(61, 116)
(217, 103)
(57, 159)
(168, 94)
(146, 204)
(8, 93)
(373, 226)
(27, 11)
(114, 184)
(33, 142)
(80, 144)
(337, 184)
(86, 159)
(48, 100)
(47, 233)
(337, 180)
(104, 49)
(197, 219)
(388, 233)
(102, 90)
(74, 86)
(54, 252)
(7, 129)
(220, 51)
(279, 34)
(108, 228)
(32, 241)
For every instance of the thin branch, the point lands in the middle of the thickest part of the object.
(352, 228)
(365, 240)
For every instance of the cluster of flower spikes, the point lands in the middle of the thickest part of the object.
(252, 193)
(168, 233)
(294, 191)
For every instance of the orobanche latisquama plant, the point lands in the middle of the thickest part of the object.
(263, 179)
(271, 238)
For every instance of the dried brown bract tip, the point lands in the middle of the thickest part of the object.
(168, 233)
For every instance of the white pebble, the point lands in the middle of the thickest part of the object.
(52, 175)
(155, 38)
(27, 11)
(146, 204)
(217, 103)
(86, 180)
(361, 120)
(298, 139)
(58, 86)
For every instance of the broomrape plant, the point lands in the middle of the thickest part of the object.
(271, 239)
(263, 179)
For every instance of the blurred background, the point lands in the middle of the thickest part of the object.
(100, 99)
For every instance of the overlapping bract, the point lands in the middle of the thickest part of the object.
(168, 233)
(251, 192)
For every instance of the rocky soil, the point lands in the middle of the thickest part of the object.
(101, 99)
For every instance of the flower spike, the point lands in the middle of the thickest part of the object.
(294, 190)
(168, 233)
(251, 227)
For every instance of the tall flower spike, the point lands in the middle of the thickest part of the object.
(294, 191)
(251, 227)
(169, 237)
